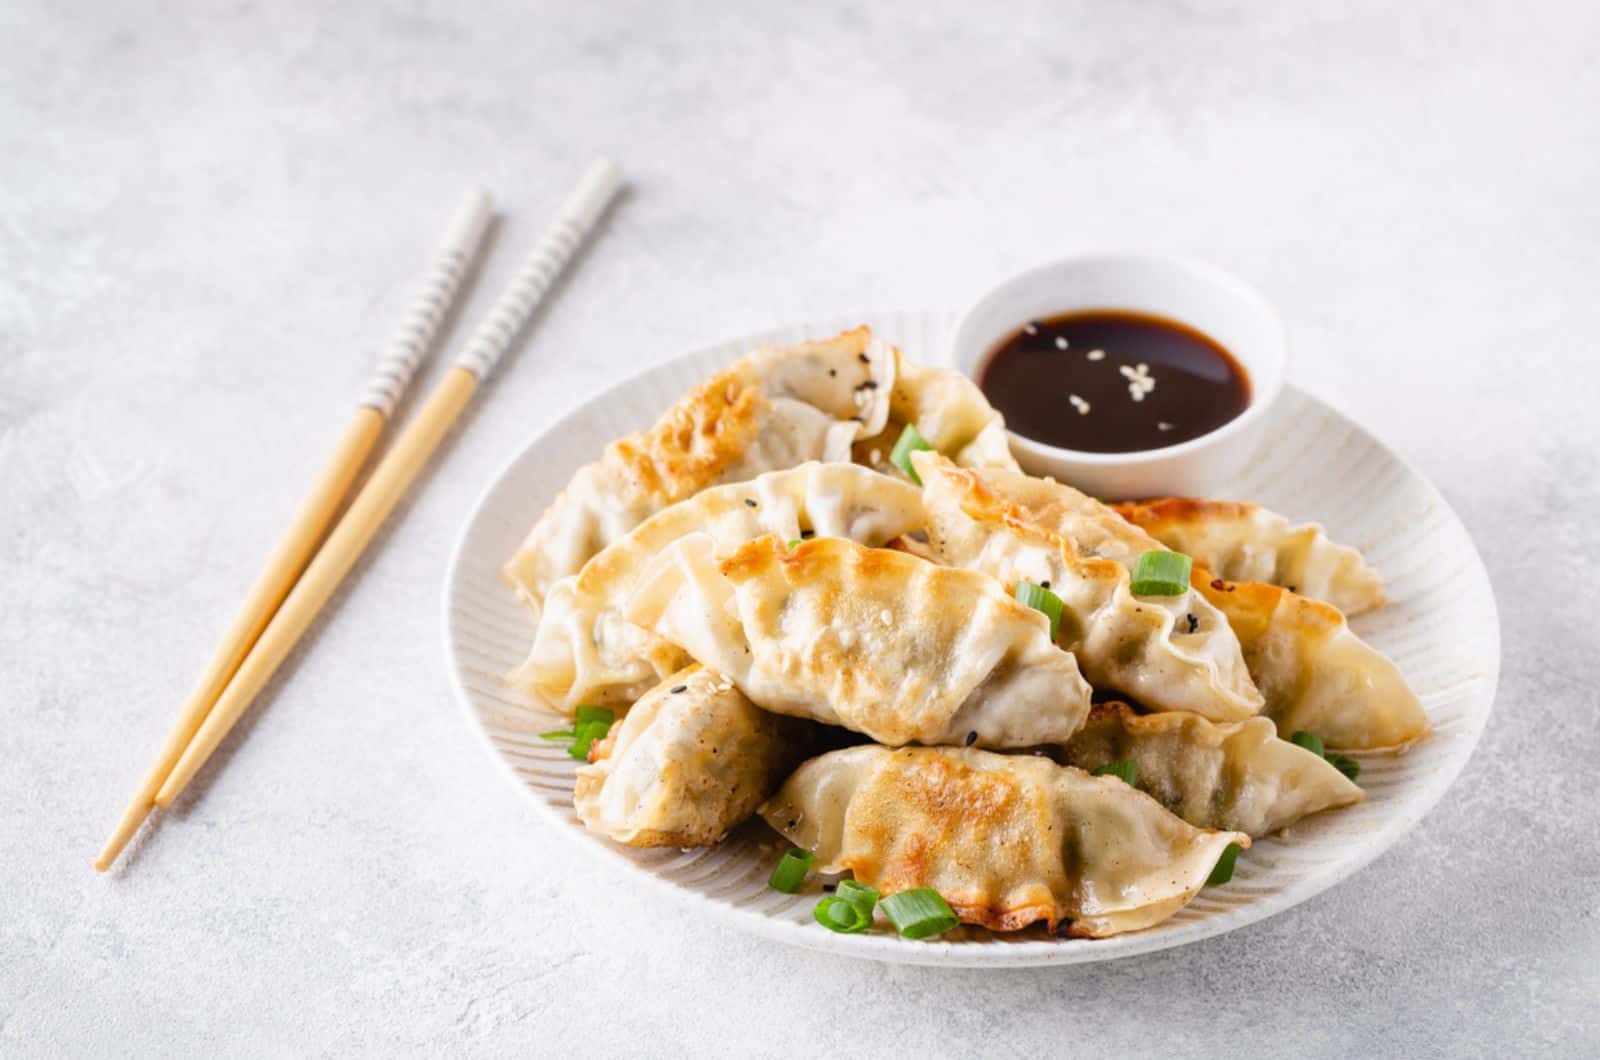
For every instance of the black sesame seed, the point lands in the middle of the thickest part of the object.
(972, 738)
(748, 503)
(680, 688)
(1292, 589)
(833, 372)
(863, 358)
(1045, 584)
(870, 384)
(1194, 623)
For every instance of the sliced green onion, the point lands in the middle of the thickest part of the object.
(1161, 574)
(1344, 764)
(1310, 741)
(858, 894)
(842, 915)
(791, 871)
(910, 441)
(594, 714)
(1124, 768)
(920, 913)
(586, 734)
(557, 734)
(1041, 599)
(794, 542)
(1224, 870)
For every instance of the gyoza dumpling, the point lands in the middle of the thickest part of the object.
(1170, 653)
(1238, 776)
(1317, 675)
(1313, 672)
(584, 651)
(877, 641)
(774, 408)
(1007, 840)
(950, 413)
(1246, 542)
(691, 760)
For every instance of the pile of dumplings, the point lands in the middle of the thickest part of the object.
(800, 627)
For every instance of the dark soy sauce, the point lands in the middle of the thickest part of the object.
(1109, 381)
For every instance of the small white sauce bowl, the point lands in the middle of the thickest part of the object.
(1205, 298)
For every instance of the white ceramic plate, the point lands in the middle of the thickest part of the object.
(1440, 627)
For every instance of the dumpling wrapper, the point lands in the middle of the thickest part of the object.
(774, 408)
(1007, 840)
(1316, 674)
(1313, 671)
(584, 651)
(1169, 653)
(691, 760)
(1238, 776)
(1247, 543)
(950, 413)
(877, 641)
(839, 399)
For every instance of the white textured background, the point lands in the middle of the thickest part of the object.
(210, 215)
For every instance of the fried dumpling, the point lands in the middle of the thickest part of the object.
(692, 759)
(584, 651)
(1239, 776)
(950, 413)
(1007, 840)
(1316, 674)
(1246, 542)
(774, 408)
(1170, 653)
(874, 640)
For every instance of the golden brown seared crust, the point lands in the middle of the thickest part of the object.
(693, 442)
(1161, 511)
(950, 799)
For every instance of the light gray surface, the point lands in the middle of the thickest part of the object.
(208, 216)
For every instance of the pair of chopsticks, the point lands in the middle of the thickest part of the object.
(299, 577)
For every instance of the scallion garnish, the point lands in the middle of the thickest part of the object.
(794, 542)
(920, 913)
(1310, 741)
(842, 915)
(1224, 870)
(593, 714)
(1161, 574)
(859, 894)
(791, 871)
(591, 724)
(1344, 764)
(1041, 599)
(557, 734)
(910, 441)
(1125, 769)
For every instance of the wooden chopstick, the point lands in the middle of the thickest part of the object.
(394, 370)
(400, 467)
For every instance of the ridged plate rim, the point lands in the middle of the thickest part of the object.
(1277, 874)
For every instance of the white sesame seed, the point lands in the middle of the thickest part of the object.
(874, 456)
(1031, 329)
(1078, 403)
(1142, 369)
(1138, 395)
(886, 617)
(1061, 343)
(1163, 425)
(1097, 355)
(1127, 372)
